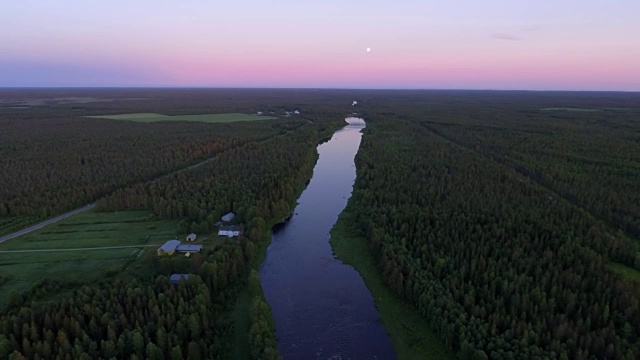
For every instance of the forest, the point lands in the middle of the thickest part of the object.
(499, 221)
(504, 223)
(258, 174)
(54, 159)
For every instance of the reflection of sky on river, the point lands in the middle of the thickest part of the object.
(321, 306)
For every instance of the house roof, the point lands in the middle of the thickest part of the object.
(232, 215)
(170, 245)
(229, 228)
(175, 278)
(191, 236)
(185, 247)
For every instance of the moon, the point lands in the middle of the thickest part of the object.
(368, 49)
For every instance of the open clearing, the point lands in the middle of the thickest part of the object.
(208, 118)
(89, 229)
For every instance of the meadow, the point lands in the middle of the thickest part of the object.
(86, 230)
(207, 118)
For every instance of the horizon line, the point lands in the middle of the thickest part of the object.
(169, 87)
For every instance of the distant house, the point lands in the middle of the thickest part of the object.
(188, 248)
(169, 247)
(228, 217)
(296, 112)
(191, 237)
(175, 278)
(229, 231)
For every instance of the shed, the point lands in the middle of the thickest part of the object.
(191, 237)
(169, 247)
(188, 248)
(175, 278)
(229, 231)
(228, 217)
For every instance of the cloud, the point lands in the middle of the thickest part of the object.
(502, 36)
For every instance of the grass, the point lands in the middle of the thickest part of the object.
(89, 229)
(208, 118)
(628, 272)
(242, 323)
(9, 225)
(410, 333)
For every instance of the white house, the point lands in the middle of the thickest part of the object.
(228, 217)
(229, 231)
(191, 237)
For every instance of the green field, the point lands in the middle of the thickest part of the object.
(208, 118)
(411, 335)
(88, 229)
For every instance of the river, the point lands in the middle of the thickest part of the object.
(321, 306)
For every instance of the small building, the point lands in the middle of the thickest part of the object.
(229, 231)
(168, 248)
(191, 237)
(188, 248)
(175, 278)
(228, 217)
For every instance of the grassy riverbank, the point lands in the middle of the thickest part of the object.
(411, 335)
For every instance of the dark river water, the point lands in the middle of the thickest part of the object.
(321, 306)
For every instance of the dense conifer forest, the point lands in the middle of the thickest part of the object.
(256, 170)
(500, 222)
(501, 216)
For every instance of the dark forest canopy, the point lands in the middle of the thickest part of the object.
(500, 221)
(497, 214)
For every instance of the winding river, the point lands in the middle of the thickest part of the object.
(321, 306)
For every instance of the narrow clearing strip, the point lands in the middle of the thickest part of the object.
(80, 249)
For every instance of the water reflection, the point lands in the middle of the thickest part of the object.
(322, 308)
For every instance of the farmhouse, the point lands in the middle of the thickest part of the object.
(169, 247)
(175, 278)
(229, 231)
(191, 237)
(188, 248)
(228, 217)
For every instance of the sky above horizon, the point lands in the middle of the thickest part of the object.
(464, 44)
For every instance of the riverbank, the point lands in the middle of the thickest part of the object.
(252, 295)
(410, 333)
(321, 306)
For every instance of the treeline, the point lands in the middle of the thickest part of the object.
(149, 317)
(594, 165)
(51, 166)
(502, 267)
(260, 180)
(133, 319)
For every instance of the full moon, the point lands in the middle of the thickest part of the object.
(368, 49)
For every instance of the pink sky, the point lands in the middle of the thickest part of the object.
(575, 45)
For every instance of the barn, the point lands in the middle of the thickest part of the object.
(188, 248)
(191, 237)
(169, 247)
(228, 217)
(229, 231)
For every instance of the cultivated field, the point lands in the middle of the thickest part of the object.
(124, 228)
(208, 118)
